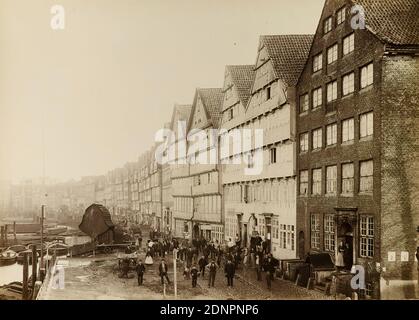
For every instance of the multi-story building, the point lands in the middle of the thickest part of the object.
(262, 203)
(206, 189)
(135, 195)
(150, 189)
(181, 185)
(357, 127)
(167, 198)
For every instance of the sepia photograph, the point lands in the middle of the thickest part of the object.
(179, 151)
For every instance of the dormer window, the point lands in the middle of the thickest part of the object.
(327, 25)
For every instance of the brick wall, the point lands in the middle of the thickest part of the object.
(400, 164)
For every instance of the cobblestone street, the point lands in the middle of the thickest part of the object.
(97, 278)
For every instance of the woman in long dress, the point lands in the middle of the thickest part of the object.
(340, 263)
(246, 256)
(148, 258)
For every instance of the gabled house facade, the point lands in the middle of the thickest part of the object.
(263, 204)
(206, 220)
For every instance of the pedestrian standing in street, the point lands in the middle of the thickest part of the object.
(186, 271)
(194, 275)
(258, 268)
(229, 271)
(212, 271)
(245, 257)
(163, 270)
(202, 262)
(140, 272)
(270, 271)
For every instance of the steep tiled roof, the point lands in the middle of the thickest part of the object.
(212, 98)
(242, 77)
(393, 21)
(183, 111)
(288, 54)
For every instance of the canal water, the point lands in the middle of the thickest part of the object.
(14, 272)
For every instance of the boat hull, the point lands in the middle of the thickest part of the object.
(7, 261)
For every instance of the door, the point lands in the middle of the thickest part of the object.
(301, 245)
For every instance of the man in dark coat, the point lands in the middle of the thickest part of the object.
(202, 262)
(229, 271)
(194, 275)
(270, 270)
(140, 272)
(212, 270)
(163, 269)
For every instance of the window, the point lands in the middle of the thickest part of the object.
(304, 142)
(315, 231)
(273, 155)
(329, 233)
(304, 103)
(341, 16)
(275, 229)
(331, 180)
(332, 54)
(250, 163)
(366, 176)
(231, 113)
(318, 62)
(197, 180)
(317, 139)
(348, 178)
(331, 134)
(348, 44)
(316, 187)
(348, 84)
(367, 237)
(367, 75)
(283, 236)
(327, 25)
(332, 91)
(366, 125)
(348, 130)
(303, 182)
(268, 93)
(317, 97)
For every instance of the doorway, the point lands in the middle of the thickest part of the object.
(301, 245)
(346, 239)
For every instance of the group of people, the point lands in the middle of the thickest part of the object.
(202, 257)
